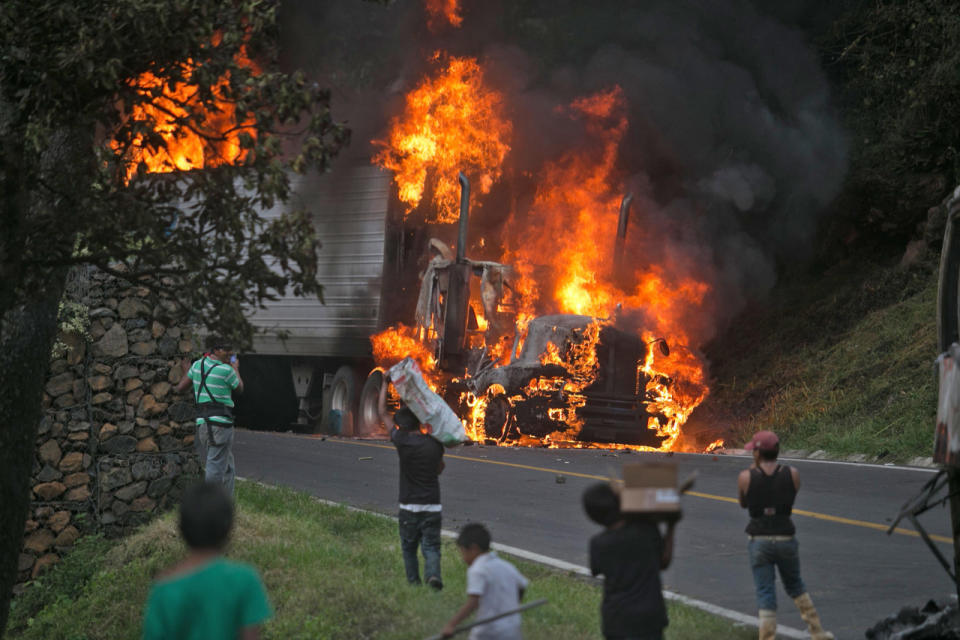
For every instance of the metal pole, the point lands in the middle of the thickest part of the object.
(954, 488)
(948, 332)
(464, 216)
(621, 235)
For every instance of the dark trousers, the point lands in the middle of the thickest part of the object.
(420, 529)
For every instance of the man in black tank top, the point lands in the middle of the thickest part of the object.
(767, 490)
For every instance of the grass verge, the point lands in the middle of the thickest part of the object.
(330, 573)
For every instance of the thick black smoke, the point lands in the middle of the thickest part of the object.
(733, 149)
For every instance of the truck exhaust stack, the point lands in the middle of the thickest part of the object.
(457, 303)
(621, 237)
(464, 218)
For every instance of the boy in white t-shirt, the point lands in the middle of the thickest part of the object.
(493, 586)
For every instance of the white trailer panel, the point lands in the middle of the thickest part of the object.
(350, 208)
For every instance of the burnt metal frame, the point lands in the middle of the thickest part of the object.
(924, 501)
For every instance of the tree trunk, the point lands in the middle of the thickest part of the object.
(27, 332)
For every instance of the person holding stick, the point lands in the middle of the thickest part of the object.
(494, 586)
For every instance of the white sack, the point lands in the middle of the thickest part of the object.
(443, 424)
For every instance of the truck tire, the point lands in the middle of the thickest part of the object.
(341, 410)
(496, 419)
(368, 418)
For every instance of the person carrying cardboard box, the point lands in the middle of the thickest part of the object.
(767, 489)
(631, 551)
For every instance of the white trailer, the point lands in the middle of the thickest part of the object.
(325, 345)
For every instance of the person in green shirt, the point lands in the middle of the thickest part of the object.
(206, 596)
(215, 377)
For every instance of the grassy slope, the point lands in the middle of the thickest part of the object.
(843, 364)
(330, 573)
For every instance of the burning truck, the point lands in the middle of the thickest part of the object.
(539, 343)
(550, 339)
(557, 379)
(561, 379)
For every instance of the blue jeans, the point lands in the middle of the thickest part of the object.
(215, 445)
(420, 528)
(784, 555)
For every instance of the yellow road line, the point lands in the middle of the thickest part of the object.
(829, 518)
(696, 494)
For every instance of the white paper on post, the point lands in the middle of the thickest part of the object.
(946, 448)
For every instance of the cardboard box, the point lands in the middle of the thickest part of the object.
(650, 487)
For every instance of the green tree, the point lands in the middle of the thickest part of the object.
(897, 67)
(73, 193)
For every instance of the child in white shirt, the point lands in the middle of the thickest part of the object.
(493, 586)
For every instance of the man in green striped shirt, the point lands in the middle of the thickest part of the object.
(215, 376)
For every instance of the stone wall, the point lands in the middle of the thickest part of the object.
(115, 445)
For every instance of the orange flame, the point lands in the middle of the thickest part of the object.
(392, 345)
(212, 140)
(473, 424)
(440, 11)
(672, 398)
(571, 227)
(713, 446)
(571, 214)
(452, 122)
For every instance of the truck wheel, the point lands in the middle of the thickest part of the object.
(496, 417)
(341, 410)
(368, 418)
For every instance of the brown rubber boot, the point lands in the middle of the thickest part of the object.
(811, 617)
(768, 624)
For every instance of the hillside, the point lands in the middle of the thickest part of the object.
(839, 356)
(840, 361)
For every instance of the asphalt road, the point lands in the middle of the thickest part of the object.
(856, 573)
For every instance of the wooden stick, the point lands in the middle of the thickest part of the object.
(687, 484)
(470, 625)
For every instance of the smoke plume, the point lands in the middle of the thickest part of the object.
(732, 149)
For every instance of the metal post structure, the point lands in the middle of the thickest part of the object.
(464, 217)
(948, 333)
(954, 488)
(457, 303)
(618, 248)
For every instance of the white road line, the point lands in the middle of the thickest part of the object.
(723, 612)
(563, 565)
(730, 614)
(893, 467)
(869, 465)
